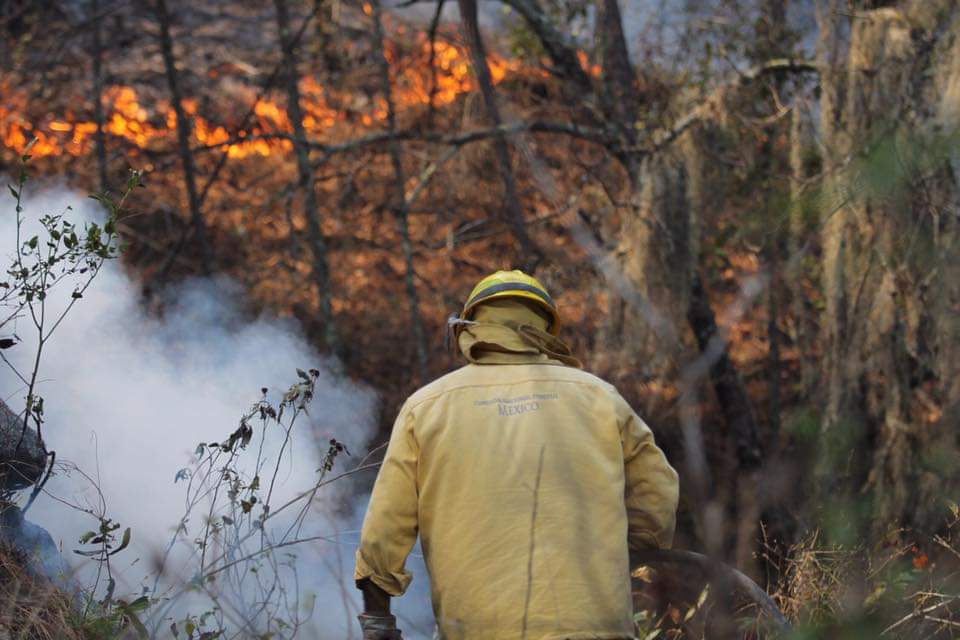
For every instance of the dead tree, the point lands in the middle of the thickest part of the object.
(531, 255)
(398, 197)
(311, 206)
(99, 137)
(200, 231)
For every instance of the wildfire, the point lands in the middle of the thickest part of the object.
(144, 127)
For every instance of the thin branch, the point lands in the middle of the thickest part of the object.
(572, 129)
(922, 613)
(558, 46)
(702, 111)
(427, 175)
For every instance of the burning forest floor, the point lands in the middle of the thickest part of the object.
(258, 231)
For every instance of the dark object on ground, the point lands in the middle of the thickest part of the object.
(19, 466)
(717, 573)
(33, 543)
(32, 606)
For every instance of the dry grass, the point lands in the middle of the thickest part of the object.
(816, 580)
(905, 590)
(32, 608)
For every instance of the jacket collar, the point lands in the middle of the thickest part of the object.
(512, 333)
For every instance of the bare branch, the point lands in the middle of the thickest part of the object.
(572, 129)
(702, 111)
(562, 52)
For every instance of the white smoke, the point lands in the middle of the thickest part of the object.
(129, 395)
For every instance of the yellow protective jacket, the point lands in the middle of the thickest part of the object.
(527, 481)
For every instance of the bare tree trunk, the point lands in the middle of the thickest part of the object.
(883, 277)
(619, 97)
(183, 137)
(834, 320)
(98, 115)
(434, 85)
(775, 364)
(531, 253)
(318, 243)
(799, 235)
(741, 421)
(327, 60)
(399, 204)
(660, 252)
(657, 250)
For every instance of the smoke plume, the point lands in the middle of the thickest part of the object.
(129, 395)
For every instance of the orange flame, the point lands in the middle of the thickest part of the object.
(593, 69)
(144, 127)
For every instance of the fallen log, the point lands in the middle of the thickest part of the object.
(716, 572)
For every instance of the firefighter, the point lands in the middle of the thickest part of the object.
(528, 480)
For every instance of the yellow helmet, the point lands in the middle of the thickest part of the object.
(513, 284)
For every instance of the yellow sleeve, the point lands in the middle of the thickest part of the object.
(390, 525)
(651, 490)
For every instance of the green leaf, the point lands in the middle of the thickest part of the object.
(140, 604)
(124, 542)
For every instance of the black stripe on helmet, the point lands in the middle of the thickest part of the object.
(513, 286)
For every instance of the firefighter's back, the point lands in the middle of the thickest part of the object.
(520, 478)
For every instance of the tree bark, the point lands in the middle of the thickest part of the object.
(434, 85)
(738, 413)
(660, 251)
(183, 137)
(799, 238)
(887, 279)
(318, 243)
(834, 320)
(772, 40)
(399, 204)
(531, 254)
(619, 97)
(98, 115)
